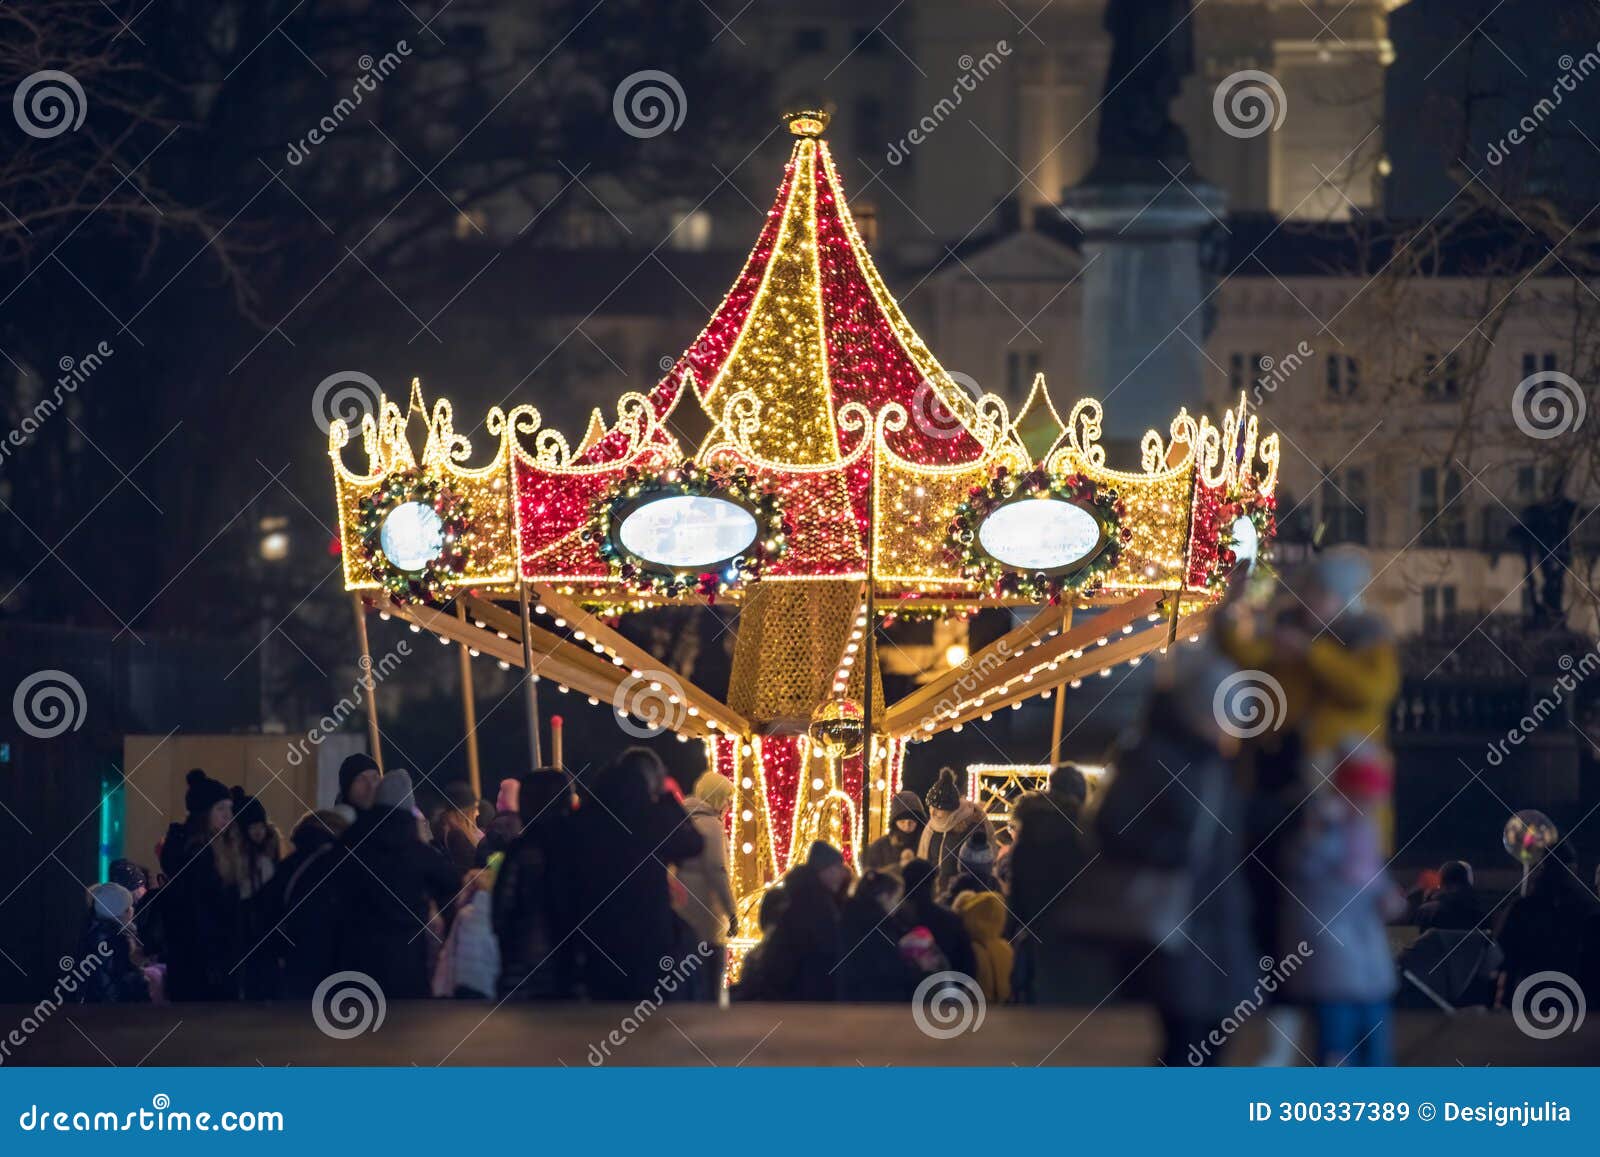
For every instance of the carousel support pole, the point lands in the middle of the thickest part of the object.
(558, 755)
(1188, 556)
(529, 687)
(1058, 724)
(870, 654)
(369, 685)
(469, 710)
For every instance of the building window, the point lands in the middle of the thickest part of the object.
(870, 41)
(1534, 361)
(1242, 370)
(1022, 366)
(1343, 376)
(1442, 515)
(1438, 607)
(810, 40)
(1344, 506)
(691, 230)
(1441, 381)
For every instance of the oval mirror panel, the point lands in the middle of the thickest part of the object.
(1039, 534)
(687, 530)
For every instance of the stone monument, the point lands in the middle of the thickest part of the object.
(1143, 211)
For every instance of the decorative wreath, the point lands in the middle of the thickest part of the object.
(442, 574)
(637, 487)
(976, 564)
(1262, 510)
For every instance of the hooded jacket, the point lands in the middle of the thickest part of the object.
(709, 906)
(983, 914)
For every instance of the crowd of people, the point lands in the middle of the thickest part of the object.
(1211, 844)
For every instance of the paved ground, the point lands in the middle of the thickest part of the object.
(466, 1033)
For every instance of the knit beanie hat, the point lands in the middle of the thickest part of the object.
(714, 790)
(352, 768)
(906, 806)
(944, 795)
(394, 790)
(203, 794)
(127, 873)
(111, 901)
(247, 809)
(823, 856)
(977, 853)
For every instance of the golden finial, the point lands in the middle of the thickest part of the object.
(810, 122)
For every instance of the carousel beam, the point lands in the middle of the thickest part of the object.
(1134, 646)
(1011, 656)
(569, 664)
(639, 660)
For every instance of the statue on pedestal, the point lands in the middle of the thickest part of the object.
(1152, 50)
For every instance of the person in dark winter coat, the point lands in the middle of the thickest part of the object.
(1048, 853)
(304, 912)
(1171, 804)
(756, 976)
(872, 967)
(1455, 905)
(907, 818)
(801, 958)
(359, 776)
(533, 894)
(391, 887)
(1544, 931)
(146, 919)
(951, 821)
(260, 849)
(626, 835)
(199, 903)
(109, 941)
(918, 906)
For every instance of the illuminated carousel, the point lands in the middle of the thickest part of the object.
(846, 480)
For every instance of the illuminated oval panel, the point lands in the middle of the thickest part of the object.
(1040, 534)
(1246, 542)
(412, 536)
(682, 531)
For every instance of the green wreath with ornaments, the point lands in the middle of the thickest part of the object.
(976, 564)
(441, 575)
(737, 485)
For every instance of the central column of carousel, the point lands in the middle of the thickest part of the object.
(799, 675)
